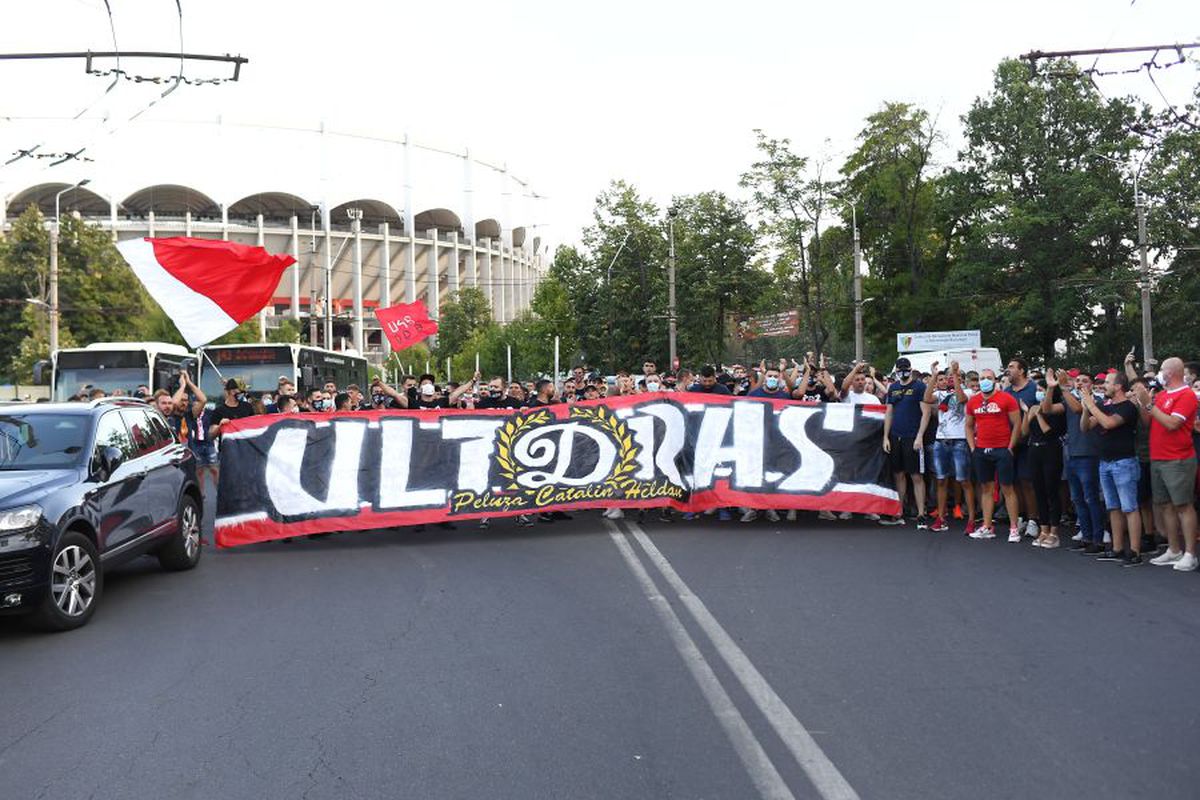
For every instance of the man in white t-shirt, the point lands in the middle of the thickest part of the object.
(854, 387)
(951, 456)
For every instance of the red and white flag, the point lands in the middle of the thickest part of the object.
(206, 286)
(406, 324)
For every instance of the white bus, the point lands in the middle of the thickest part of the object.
(260, 366)
(114, 366)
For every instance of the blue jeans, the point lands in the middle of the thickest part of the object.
(952, 458)
(1119, 484)
(1084, 479)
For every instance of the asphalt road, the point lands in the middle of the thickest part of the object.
(539, 663)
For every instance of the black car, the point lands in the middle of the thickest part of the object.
(84, 487)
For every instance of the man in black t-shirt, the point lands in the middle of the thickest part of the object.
(233, 406)
(1116, 422)
(544, 394)
(707, 383)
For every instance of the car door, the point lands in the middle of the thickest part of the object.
(157, 492)
(166, 474)
(115, 497)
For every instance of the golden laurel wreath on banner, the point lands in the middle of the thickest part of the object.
(508, 434)
(626, 449)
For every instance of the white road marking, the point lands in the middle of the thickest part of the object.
(829, 782)
(762, 772)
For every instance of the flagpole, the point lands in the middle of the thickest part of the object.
(427, 366)
(477, 361)
(448, 378)
(509, 347)
(556, 364)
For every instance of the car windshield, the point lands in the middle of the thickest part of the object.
(42, 441)
(75, 380)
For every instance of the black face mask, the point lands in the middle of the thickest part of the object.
(903, 374)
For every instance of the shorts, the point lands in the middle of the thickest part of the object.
(993, 463)
(1119, 484)
(1173, 482)
(952, 457)
(1144, 482)
(205, 453)
(904, 458)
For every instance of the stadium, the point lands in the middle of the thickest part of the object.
(372, 221)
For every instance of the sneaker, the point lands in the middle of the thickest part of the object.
(983, 533)
(872, 517)
(524, 520)
(958, 512)
(724, 515)
(845, 515)
(939, 526)
(1132, 560)
(749, 515)
(1078, 537)
(772, 515)
(664, 515)
(1167, 559)
(1036, 543)
(613, 513)
(1014, 535)
(791, 515)
(891, 520)
(1108, 537)
(688, 516)
(826, 515)
(484, 523)
(546, 517)
(1186, 564)
(922, 523)
(1078, 547)
(970, 527)
(1093, 549)
(1032, 529)
(1110, 555)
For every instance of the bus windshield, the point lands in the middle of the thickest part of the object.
(99, 369)
(258, 368)
(42, 441)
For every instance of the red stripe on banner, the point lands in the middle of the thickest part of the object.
(241, 279)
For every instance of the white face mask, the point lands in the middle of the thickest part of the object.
(652, 386)
(427, 389)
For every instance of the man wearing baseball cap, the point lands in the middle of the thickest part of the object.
(901, 441)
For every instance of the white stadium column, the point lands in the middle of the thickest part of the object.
(452, 275)
(224, 222)
(431, 275)
(150, 222)
(261, 240)
(469, 219)
(356, 230)
(385, 277)
(187, 223)
(487, 282)
(295, 268)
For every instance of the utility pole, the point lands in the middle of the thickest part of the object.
(858, 300)
(1147, 328)
(355, 215)
(672, 212)
(54, 265)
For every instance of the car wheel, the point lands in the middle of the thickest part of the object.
(182, 551)
(76, 583)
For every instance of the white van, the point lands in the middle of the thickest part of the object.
(968, 359)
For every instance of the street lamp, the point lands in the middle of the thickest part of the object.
(53, 305)
(858, 298)
(672, 213)
(1140, 205)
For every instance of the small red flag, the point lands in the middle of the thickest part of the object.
(406, 324)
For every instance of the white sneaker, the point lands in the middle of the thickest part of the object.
(1078, 537)
(1032, 529)
(983, 533)
(791, 515)
(845, 515)
(1014, 535)
(1167, 558)
(613, 513)
(826, 515)
(749, 515)
(1186, 564)
(1107, 537)
(872, 517)
(772, 515)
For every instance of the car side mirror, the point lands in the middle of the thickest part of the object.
(110, 459)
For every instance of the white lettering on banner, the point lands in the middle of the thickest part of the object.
(673, 439)
(474, 454)
(538, 449)
(816, 466)
(396, 436)
(745, 451)
(286, 457)
(643, 434)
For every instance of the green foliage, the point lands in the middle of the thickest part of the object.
(288, 332)
(460, 320)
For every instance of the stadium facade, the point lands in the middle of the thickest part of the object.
(371, 221)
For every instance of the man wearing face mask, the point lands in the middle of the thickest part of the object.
(771, 386)
(901, 428)
(1116, 425)
(993, 426)
(493, 396)
(653, 383)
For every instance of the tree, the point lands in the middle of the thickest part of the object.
(460, 320)
(1045, 231)
(792, 199)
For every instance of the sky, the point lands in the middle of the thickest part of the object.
(665, 95)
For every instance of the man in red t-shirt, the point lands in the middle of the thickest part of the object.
(1171, 416)
(993, 427)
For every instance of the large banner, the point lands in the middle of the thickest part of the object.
(785, 323)
(312, 473)
(937, 340)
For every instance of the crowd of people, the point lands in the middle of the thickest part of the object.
(1104, 464)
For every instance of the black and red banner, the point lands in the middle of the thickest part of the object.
(288, 475)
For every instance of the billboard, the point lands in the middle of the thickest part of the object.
(937, 340)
